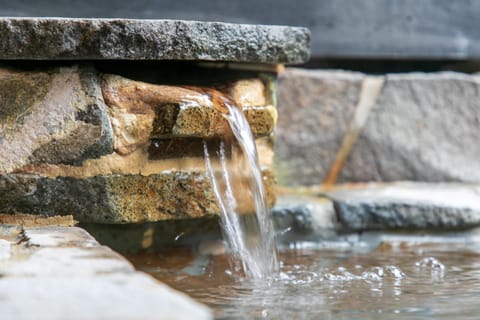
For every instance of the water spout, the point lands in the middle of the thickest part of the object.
(250, 237)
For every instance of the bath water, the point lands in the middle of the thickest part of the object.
(401, 277)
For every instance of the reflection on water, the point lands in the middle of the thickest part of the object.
(396, 280)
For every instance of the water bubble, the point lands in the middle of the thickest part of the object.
(371, 276)
(395, 272)
(430, 263)
(379, 273)
(341, 274)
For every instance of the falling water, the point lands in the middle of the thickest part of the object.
(250, 237)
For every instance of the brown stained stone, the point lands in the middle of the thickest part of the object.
(140, 111)
(117, 198)
(30, 220)
(55, 116)
(262, 119)
(58, 145)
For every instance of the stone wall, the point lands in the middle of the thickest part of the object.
(336, 126)
(108, 149)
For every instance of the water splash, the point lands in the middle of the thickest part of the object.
(250, 237)
(436, 268)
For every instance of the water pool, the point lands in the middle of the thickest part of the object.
(369, 276)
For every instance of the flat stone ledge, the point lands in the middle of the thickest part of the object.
(411, 206)
(405, 206)
(99, 39)
(63, 273)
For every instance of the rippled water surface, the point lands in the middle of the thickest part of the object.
(397, 278)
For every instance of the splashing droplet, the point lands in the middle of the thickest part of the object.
(431, 263)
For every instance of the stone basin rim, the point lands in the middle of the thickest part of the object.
(58, 38)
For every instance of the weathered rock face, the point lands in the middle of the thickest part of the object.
(54, 117)
(118, 198)
(116, 150)
(82, 39)
(141, 111)
(421, 127)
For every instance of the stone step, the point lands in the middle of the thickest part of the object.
(84, 280)
(407, 206)
(335, 126)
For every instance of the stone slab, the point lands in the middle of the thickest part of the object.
(407, 206)
(93, 39)
(49, 277)
(118, 198)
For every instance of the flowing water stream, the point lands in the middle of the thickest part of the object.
(251, 238)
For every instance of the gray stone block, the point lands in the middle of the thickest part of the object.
(410, 206)
(424, 127)
(117, 198)
(80, 39)
(298, 218)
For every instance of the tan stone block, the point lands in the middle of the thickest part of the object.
(140, 111)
